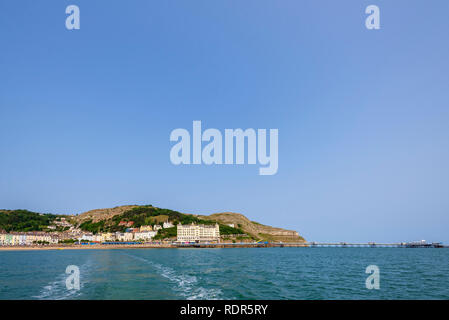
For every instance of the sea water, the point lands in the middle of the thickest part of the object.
(235, 273)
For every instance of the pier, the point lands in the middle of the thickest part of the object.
(311, 245)
(349, 244)
(417, 244)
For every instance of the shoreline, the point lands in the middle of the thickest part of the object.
(89, 247)
(171, 246)
(146, 246)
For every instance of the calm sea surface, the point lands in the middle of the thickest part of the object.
(246, 273)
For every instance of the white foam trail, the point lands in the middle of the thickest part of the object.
(184, 284)
(56, 290)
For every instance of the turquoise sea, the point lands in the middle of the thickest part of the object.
(244, 273)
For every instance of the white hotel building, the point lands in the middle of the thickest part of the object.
(198, 233)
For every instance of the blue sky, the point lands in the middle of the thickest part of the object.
(362, 114)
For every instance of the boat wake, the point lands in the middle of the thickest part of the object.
(57, 290)
(184, 285)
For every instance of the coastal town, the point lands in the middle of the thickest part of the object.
(152, 227)
(62, 233)
(136, 226)
(190, 233)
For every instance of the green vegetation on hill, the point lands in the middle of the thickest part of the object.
(112, 220)
(92, 227)
(24, 220)
(140, 216)
(166, 233)
(227, 230)
(149, 215)
(144, 215)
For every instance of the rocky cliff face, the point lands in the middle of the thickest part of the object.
(101, 214)
(254, 228)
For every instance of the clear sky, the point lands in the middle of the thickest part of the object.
(363, 115)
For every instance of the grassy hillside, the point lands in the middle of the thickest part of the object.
(148, 215)
(109, 220)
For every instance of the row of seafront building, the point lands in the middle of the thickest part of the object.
(185, 234)
(143, 233)
(27, 238)
(198, 233)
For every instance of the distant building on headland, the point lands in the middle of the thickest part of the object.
(198, 233)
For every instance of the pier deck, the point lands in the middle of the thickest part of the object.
(310, 245)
